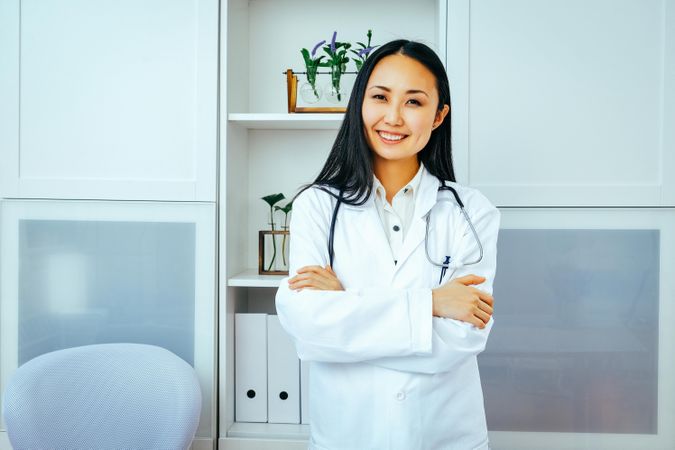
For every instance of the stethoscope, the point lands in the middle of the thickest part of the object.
(447, 262)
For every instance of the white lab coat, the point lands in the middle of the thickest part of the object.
(385, 373)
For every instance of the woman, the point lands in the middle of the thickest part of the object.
(392, 337)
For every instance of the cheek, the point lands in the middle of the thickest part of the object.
(369, 116)
(421, 125)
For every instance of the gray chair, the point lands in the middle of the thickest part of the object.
(106, 396)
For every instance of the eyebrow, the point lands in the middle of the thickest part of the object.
(410, 91)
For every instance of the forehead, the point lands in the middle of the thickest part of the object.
(400, 72)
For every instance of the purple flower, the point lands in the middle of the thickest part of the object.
(332, 42)
(364, 51)
(317, 46)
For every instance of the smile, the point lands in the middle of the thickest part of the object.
(390, 138)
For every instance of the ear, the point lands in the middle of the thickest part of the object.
(440, 116)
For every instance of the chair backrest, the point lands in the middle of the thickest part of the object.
(106, 396)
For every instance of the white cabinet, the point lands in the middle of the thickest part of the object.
(264, 150)
(81, 272)
(582, 353)
(109, 100)
(563, 103)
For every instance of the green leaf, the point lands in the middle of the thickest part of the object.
(286, 209)
(362, 44)
(272, 199)
(305, 55)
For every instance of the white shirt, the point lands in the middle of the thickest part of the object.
(385, 374)
(397, 215)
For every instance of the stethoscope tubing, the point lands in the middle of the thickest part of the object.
(444, 265)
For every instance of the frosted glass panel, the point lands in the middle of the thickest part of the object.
(575, 342)
(86, 282)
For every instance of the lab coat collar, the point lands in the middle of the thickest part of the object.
(425, 197)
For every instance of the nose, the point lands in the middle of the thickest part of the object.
(393, 115)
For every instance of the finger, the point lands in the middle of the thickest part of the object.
(470, 279)
(324, 277)
(302, 276)
(319, 271)
(476, 322)
(485, 307)
(487, 298)
(482, 315)
(303, 284)
(309, 269)
(312, 280)
(312, 273)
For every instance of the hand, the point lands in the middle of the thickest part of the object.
(457, 299)
(315, 277)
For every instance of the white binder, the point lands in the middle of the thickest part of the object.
(250, 353)
(283, 375)
(304, 391)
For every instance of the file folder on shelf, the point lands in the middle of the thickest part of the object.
(250, 341)
(283, 375)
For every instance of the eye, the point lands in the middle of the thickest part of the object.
(378, 97)
(416, 102)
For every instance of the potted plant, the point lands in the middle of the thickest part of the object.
(269, 264)
(363, 52)
(337, 61)
(310, 92)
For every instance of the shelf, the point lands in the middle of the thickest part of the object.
(250, 278)
(269, 431)
(272, 121)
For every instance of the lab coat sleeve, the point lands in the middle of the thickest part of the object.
(352, 325)
(454, 341)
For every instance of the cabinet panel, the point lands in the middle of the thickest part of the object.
(116, 100)
(80, 273)
(573, 99)
(581, 354)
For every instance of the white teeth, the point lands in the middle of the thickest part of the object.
(391, 137)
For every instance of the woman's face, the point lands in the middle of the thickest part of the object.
(400, 107)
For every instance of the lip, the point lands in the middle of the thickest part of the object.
(387, 141)
(391, 132)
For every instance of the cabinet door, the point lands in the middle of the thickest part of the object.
(582, 354)
(108, 100)
(564, 103)
(77, 273)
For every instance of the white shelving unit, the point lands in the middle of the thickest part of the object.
(251, 278)
(265, 150)
(285, 121)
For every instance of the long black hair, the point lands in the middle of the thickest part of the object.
(349, 166)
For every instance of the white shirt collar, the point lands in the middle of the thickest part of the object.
(412, 185)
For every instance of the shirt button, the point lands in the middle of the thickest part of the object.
(396, 228)
(400, 396)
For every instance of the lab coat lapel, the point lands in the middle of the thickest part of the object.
(425, 199)
(371, 236)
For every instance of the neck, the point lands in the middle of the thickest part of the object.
(395, 174)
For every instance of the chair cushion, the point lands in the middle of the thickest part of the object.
(105, 396)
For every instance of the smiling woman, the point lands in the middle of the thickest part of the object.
(393, 345)
(400, 110)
